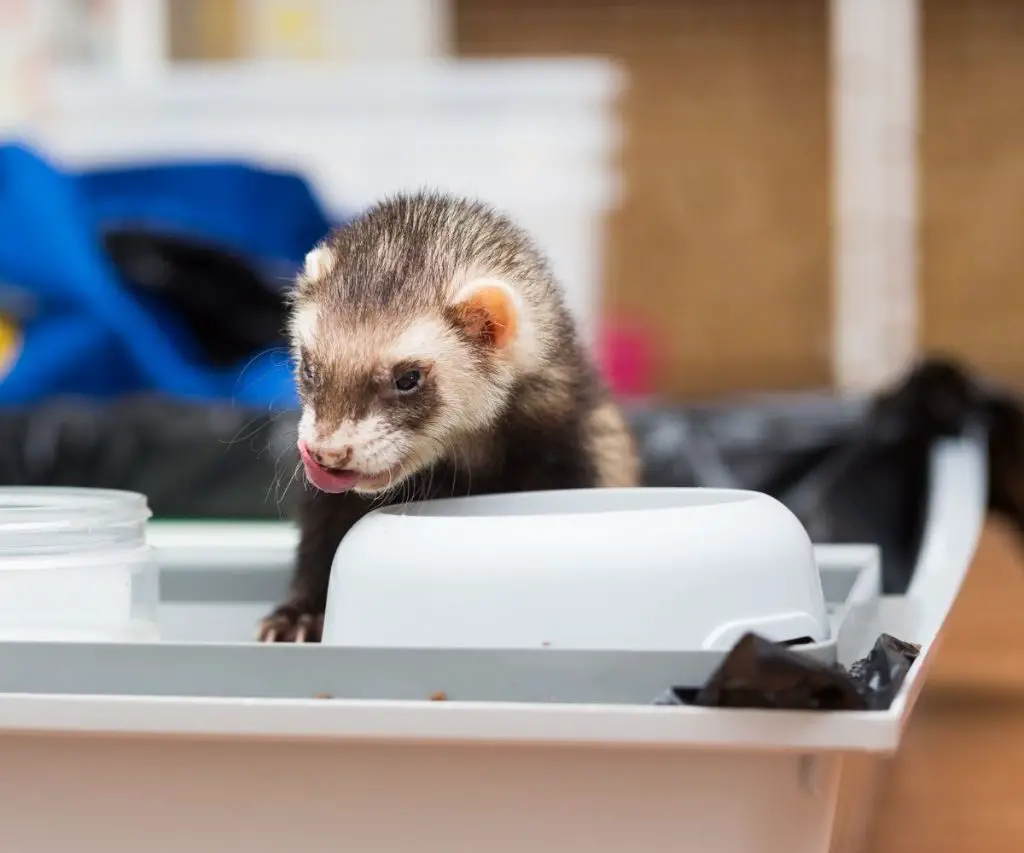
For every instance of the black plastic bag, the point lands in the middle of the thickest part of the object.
(758, 673)
(851, 470)
(192, 461)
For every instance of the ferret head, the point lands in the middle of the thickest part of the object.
(409, 327)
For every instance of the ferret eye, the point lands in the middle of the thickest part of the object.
(408, 381)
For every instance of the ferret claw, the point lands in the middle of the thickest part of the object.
(291, 626)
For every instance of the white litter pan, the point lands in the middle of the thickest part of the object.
(209, 742)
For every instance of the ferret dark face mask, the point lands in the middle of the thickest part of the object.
(386, 393)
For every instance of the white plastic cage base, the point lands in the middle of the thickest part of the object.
(162, 795)
(169, 773)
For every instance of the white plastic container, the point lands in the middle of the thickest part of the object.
(647, 569)
(210, 770)
(75, 566)
(535, 138)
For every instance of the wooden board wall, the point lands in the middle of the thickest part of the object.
(973, 189)
(204, 29)
(722, 245)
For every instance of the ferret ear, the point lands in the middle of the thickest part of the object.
(319, 262)
(488, 310)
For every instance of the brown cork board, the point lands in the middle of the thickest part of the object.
(973, 183)
(721, 246)
(204, 30)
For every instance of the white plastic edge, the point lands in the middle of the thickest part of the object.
(957, 508)
(451, 722)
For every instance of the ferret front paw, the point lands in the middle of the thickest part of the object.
(292, 624)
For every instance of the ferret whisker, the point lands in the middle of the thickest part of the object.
(455, 473)
(288, 485)
(408, 484)
(429, 490)
(256, 357)
(278, 475)
(431, 468)
(267, 422)
(381, 496)
(275, 483)
(238, 437)
(469, 471)
(277, 462)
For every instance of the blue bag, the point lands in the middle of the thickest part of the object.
(68, 325)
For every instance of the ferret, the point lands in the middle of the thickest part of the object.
(435, 357)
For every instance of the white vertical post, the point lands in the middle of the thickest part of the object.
(875, 80)
(141, 39)
(25, 29)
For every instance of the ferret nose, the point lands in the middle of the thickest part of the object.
(332, 459)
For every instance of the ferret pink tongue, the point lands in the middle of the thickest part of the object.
(322, 478)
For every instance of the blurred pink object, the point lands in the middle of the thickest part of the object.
(625, 357)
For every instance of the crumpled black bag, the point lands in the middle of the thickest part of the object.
(759, 673)
(233, 307)
(851, 470)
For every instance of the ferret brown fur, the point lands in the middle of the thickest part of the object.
(435, 357)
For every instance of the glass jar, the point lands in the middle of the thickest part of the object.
(75, 566)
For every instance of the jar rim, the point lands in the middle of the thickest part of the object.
(62, 509)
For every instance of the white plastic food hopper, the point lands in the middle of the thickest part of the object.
(150, 769)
